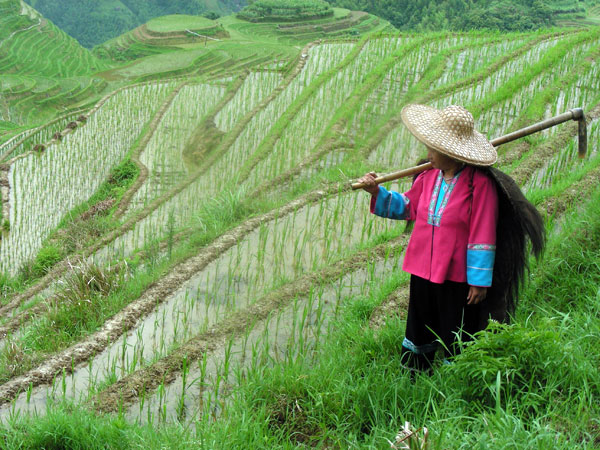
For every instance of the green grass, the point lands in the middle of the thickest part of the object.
(70, 427)
(161, 63)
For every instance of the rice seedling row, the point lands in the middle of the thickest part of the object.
(128, 316)
(180, 208)
(39, 136)
(274, 248)
(308, 125)
(386, 155)
(203, 385)
(281, 333)
(276, 252)
(472, 59)
(582, 90)
(163, 156)
(498, 119)
(494, 81)
(269, 122)
(565, 160)
(256, 87)
(67, 174)
(166, 369)
(332, 145)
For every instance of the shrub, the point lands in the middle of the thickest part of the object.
(515, 360)
(285, 10)
(80, 299)
(123, 173)
(46, 258)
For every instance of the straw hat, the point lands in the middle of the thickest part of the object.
(451, 132)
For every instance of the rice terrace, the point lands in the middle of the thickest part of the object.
(184, 265)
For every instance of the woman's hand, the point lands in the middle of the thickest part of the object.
(369, 181)
(476, 294)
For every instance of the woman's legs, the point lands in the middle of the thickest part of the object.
(436, 312)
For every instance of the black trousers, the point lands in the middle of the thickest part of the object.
(438, 314)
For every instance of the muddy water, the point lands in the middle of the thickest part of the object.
(296, 329)
(305, 240)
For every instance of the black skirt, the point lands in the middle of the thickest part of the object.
(438, 316)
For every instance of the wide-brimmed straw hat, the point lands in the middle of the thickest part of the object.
(450, 131)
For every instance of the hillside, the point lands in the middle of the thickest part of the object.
(502, 15)
(48, 75)
(184, 265)
(94, 22)
(43, 71)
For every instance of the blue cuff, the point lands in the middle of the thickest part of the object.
(391, 205)
(420, 349)
(480, 267)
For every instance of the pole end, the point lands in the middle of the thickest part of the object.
(578, 114)
(581, 132)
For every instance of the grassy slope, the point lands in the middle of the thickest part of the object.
(178, 22)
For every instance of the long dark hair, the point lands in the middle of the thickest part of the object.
(519, 222)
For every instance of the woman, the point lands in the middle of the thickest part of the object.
(451, 251)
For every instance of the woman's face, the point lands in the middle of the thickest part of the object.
(439, 160)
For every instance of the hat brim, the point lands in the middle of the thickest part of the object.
(428, 126)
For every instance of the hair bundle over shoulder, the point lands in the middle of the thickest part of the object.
(518, 222)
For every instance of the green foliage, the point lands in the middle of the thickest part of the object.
(124, 174)
(525, 359)
(92, 22)
(46, 258)
(68, 427)
(433, 15)
(211, 15)
(576, 253)
(82, 303)
(285, 10)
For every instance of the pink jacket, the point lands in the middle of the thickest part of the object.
(454, 236)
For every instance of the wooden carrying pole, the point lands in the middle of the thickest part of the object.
(573, 114)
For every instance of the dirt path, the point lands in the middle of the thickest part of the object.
(395, 304)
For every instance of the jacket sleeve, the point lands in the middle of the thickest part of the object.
(481, 248)
(393, 205)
